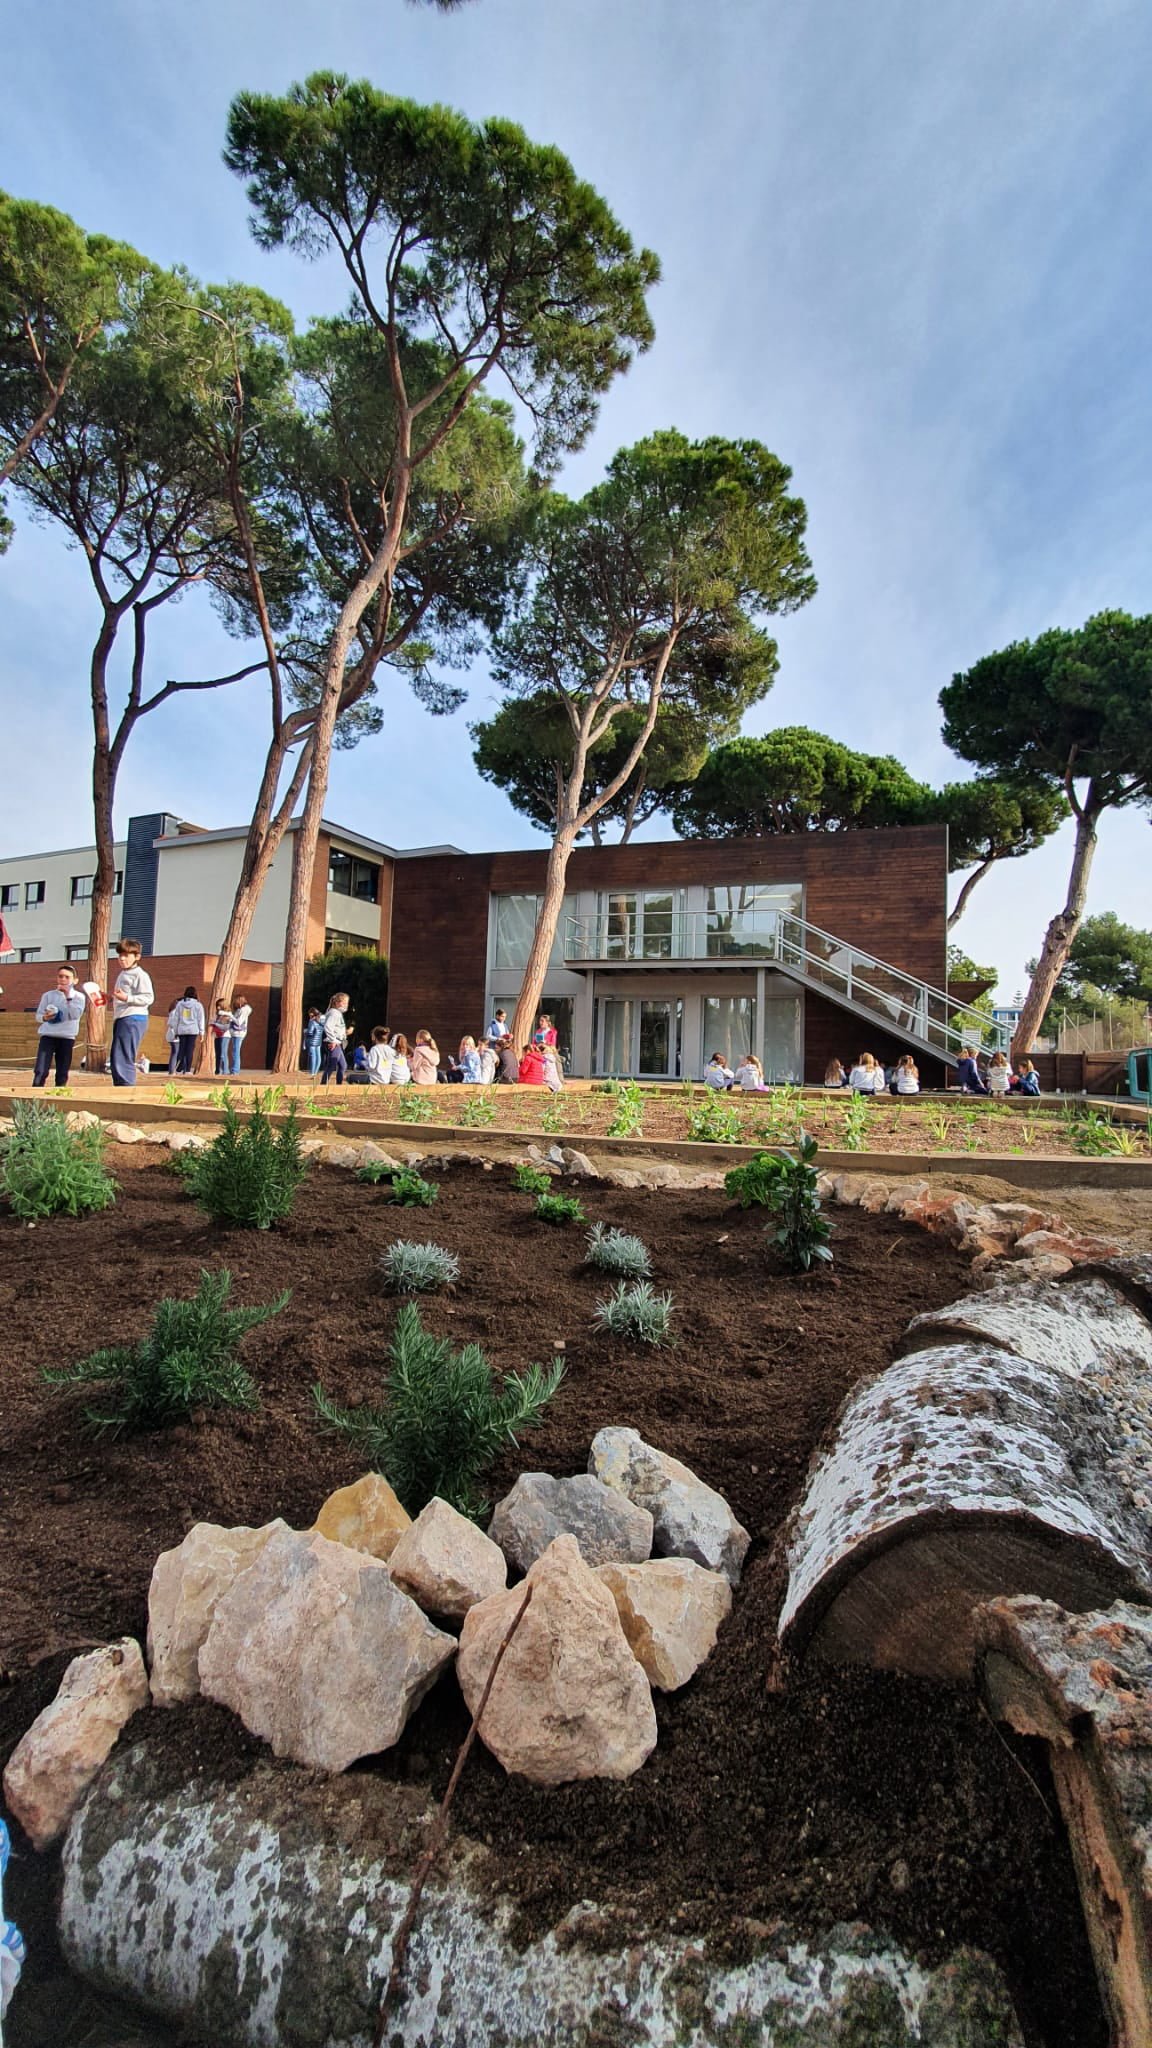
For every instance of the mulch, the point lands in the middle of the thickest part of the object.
(848, 1795)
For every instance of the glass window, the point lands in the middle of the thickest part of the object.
(743, 917)
(33, 895)
(658, 914)
(75, 952)
(729, 1027)
(515, 925)
(9, 896)
(615, 1044)
(118, 885)
(661, 1028)
(783, 1046)
(639, 924)
(619, 924)
(82, 888)
(28, 953)
(348, 876)
(562, 1010)
(356, 940)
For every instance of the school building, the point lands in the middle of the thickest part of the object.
(799, 947)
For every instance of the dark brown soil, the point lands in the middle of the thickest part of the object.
(844, 1796)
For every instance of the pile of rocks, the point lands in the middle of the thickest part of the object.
(1008, 1240)
(325, 1640)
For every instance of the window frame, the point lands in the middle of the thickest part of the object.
(35, 902)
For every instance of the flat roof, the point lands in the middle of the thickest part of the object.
(341, 833)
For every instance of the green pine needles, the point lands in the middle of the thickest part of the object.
(187, 1360)
(247, 1177)
(636, 1312)
(419, 1268)
(443, 1420)
(614, 1251)
(48, 1170)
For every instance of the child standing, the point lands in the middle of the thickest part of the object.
(313, 1041)
(186, 1022)
(335, 1039)
(132, 998)
(241, 1011)
(58, 1014)
(221, 1026)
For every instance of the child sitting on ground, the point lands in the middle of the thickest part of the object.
(999, 1074)
(834, 1075)
(468, 1059)
(718, 1074)
(380, 1056)
(750, 1074)
(906, 1080)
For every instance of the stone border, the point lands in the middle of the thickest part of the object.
(502, 1146)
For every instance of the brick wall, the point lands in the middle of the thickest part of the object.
(171, 974)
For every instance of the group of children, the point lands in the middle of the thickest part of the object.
(60, 1012)
(388, 1059)
(870, 1077)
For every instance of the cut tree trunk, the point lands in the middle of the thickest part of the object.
(1060, 934)
(1083, 1684)
(1010, 1451)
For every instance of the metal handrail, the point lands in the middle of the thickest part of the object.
(914, 1008)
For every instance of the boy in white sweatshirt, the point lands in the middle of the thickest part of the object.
(132, 999)
(58, 1014)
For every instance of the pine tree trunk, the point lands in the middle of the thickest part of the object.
(304, 846)
(1061, 932)
(551, 906)
(104, 879)
(265, 836)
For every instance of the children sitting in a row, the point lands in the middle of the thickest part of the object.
(1000, 1079)
(869, 1077)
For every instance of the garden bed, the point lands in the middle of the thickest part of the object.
(846, 1796)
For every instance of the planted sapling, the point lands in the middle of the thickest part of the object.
(419, 1268)
(637, 1312)
(614, 1251)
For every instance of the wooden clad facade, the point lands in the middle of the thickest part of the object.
(884, 891)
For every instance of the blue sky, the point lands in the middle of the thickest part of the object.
(907, 245)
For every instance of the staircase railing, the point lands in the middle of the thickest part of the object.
(904, 1005)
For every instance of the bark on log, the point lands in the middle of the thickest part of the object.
(1083, 1683)
(1009, 1451)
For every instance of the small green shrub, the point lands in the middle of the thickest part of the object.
(857, 1117)
(48, 1170)
(478, 1111)
(553, 1118)
(1097, 1137)
(614, 1251)
(268, 1099)
(419, 1268)
(248, 1176)
(411, 1190)
(802, 1231)
(443, 1420)
(531, 1180)
(414, 1107)
(559, 1209)
(186, 1360)
(754, 1185)
(714, 1120)
(315, 1108)
(220, 1098)
(172, 1093)
(376, 1170)
(637, 1312)
(628, 1115)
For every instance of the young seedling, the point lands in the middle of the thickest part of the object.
(187, 1360)
(419, 1268)
(414, 1107)
(443, 1420)
(559, 1209)
(628, 1117)
(614, 1251)
(714, 1120)
(857, 1117)
(478, 1111)
(802, 1231)
(412, 1191)
(531, 1180)
(636, 1312)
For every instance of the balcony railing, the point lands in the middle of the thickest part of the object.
(911, 1008)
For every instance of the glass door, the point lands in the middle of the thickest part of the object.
(641, 1038)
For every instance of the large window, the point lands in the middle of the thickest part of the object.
(515, 925)
(355, 940)
(729, 1027)
(33, 895)
(743, 918)
(82, 886)
(640, 924)
(349, 876)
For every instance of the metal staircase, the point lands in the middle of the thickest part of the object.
(928, 1018)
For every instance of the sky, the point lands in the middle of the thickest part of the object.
(905, 244)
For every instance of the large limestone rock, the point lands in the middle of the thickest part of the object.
(690, 1519)
(365, 1516)
(607, 1526)
(58, 1757)
(569, 1700)
(670, 1610)
(187, 1583)
(319, 1653)
(446, 1563)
